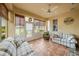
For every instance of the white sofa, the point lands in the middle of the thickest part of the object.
(67, 40)
(16, 47)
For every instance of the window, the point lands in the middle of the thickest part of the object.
(29, 29)
(39, 26)
(48, 26)
(20, 25)
(42, 26)
(3, 28)
(55, 25)
(27, 26)
(3, 22)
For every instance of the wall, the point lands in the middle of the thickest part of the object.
(11, 24)
(67, 28)
(11, 20)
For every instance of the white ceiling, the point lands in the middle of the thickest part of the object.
(39, 8)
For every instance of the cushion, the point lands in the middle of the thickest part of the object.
(56, 36)
(10, 48)
(19, 40)
(24, 49)
(11, 40)
(2, 53)
(2, 48)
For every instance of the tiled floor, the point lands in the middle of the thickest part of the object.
(48, 48)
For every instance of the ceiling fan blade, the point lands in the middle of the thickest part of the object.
(51, 9)
(54, 8)
(45, 10)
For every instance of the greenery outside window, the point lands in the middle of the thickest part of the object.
(3, 22)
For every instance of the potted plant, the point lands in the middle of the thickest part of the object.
(46, 35)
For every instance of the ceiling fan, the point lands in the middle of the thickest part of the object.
(50, 10)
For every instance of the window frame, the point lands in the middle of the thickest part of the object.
(19, 25)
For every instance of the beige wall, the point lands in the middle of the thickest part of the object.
(67, 28)
(11, 24)
(71, 28)
(11, 20)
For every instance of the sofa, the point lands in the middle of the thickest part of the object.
(67, 40)
(16, 46)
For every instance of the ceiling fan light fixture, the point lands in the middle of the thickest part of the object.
(49, 11)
